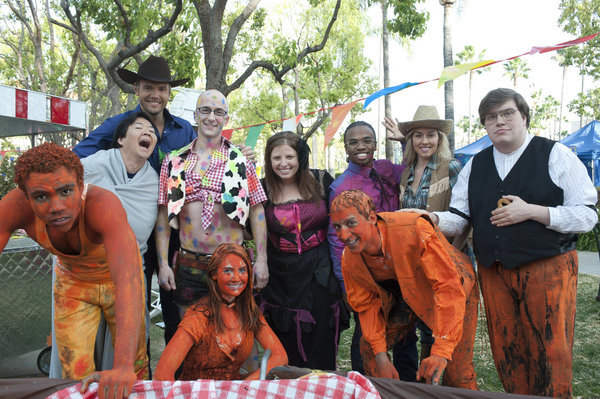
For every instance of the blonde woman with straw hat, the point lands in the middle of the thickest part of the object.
(429, 175)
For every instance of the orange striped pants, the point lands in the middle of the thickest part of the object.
(530, 314)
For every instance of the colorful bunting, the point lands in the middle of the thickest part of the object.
(227, 133)
(253, 134)
(386, 91)
(289, 124)
(454, 71)
(338, 114)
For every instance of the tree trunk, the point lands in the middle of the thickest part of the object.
(448, 61)
(389, 149)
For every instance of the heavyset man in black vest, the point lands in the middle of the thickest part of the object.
(525, 249)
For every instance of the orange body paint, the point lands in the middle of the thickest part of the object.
(52, 211)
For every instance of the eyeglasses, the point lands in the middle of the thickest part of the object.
(507, 115)
(209, 110)
(365, 141)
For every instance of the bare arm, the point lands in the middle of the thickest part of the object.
(105, 216)
(162, 234)
(259, 229)
(173, 355)
(15, 213)
(268, 340)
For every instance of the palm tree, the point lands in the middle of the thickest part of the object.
(448, 61)
(515, 69)
(468, 55)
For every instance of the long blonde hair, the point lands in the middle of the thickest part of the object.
(441, 154)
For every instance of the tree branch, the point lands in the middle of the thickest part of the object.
(278, 74)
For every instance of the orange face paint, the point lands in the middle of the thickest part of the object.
(55, 198)
(231, 277)
(356, 232)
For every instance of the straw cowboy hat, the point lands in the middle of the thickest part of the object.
(426, 116)
(154, 69)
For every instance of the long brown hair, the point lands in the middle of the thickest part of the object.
(244, 304)
(307, 185)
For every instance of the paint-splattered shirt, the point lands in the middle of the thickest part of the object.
(179, 184)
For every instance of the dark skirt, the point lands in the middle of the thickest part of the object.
(303, 294)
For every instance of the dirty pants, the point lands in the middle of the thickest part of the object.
(530, 314)
(460, 371)
(77, 309)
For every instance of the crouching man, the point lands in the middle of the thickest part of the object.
(99, 267)
(397, 268)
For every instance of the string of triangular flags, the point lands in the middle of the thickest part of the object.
(339, 112)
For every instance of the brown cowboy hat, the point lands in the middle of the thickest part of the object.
(154, 69)
(426, 116)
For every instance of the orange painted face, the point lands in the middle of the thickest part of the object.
(358, 233)
(55, 198)
(231, 277)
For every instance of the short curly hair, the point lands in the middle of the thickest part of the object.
(353, 199)
(46, 158)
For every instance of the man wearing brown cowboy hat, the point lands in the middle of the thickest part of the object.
(152, 84)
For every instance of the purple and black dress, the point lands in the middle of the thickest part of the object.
(302, 301)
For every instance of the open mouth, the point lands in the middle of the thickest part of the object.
(145, 143)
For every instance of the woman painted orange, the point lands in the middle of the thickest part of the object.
(216, 334)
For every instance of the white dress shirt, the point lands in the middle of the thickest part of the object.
(566, 171)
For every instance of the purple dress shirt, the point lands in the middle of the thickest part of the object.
(382, 185)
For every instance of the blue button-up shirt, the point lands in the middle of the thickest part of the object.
(177, 134)
(385, 197)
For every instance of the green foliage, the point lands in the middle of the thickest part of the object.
(7, 173)
(582, 18)
(477, 130)
(587, 104)
(516, 68)
(408, 22)
(543, 110)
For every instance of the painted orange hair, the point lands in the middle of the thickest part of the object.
(46, 158)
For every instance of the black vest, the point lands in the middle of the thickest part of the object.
(529, 179)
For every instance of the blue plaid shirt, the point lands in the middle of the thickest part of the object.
(419, 199)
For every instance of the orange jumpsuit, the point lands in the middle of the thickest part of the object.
(437, 284)
(83, 288)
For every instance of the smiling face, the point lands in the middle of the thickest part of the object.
(55, 198)
(153, 96)
(360, 145)
(359, 234)
(139, 141)
(425, 142)
(284, 161)
(210, 125)
(231, 277)
(506, 127)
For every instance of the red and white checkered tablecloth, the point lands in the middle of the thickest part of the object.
(312, 386)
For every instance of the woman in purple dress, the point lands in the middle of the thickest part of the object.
(302, 301)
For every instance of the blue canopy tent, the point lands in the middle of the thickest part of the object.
(585, 142)
(467, 152)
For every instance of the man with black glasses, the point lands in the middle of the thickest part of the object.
(380, 180)
(527, 198)
(208, 189)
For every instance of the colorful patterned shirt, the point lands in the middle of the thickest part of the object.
(208, 188)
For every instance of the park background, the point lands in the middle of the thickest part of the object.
(72, 48)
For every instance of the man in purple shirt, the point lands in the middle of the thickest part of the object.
(380, 180)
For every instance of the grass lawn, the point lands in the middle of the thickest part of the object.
(586, 351)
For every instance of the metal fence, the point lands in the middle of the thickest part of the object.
(25, 297)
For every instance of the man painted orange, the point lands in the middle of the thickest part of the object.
(217, 333)
(98, 268)
(397, 267)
